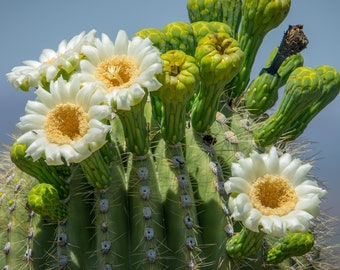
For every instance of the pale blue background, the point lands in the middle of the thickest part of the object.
(27, 27)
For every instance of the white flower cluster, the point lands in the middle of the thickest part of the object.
(78, 86)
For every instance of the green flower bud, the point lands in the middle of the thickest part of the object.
(204, 10)
(44, 200)
(262, 93)
(225, 11)
(179, 80)
(258, 18)
(329, 91)
(54, 175)
(244, 244)
(202, 29)
(294, 244)
(157, 37)
(219, 58)
(304, 86)
(180, 36)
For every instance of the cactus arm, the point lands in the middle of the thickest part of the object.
(76, 226)
(16, 248)
(182, 232)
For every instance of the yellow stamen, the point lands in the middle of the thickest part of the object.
(117, 72)
(66, 123)
(273, 195)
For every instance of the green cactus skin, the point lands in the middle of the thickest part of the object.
(294, 244)
(147, 230)
(258, 18)
(304, 86)
(152, 197)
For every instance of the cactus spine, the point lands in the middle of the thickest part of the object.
(184, 144)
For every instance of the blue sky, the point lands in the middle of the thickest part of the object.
(27, 27)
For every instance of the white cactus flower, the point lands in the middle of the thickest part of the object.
(123, 70)
(65, 124)
(273, 194)
(64, 61)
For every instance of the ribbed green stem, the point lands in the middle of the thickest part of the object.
(104, 171)
(249, 46)
(77, 227)
(173, 122)
(205, 107)
(135, 131)
(146, 216)
(180, 213)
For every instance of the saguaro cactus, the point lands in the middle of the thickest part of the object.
(154, 153)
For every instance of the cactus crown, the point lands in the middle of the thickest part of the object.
(157, 153)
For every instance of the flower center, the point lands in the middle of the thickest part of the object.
(66, 123)
(273, 195)
(117, 72)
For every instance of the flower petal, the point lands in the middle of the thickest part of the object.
(237, 185)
